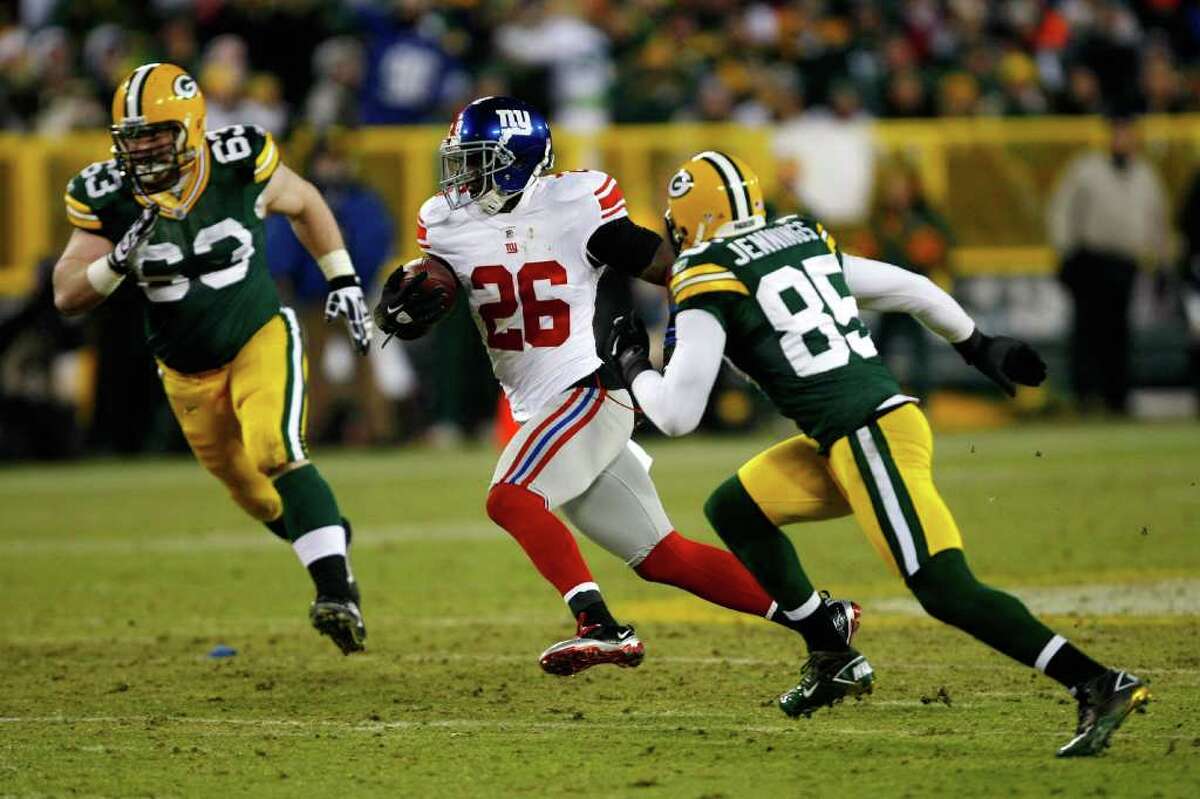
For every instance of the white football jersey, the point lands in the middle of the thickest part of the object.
(531, 286)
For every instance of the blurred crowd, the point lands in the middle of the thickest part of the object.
(816, 71)
(282, 63)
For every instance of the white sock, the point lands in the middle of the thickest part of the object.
(320, 543)
(579, 589)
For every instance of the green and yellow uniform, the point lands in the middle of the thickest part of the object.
(793, 326)
(184, 210)
(779, 291)
(231, 358)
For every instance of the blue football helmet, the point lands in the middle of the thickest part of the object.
(496, 148)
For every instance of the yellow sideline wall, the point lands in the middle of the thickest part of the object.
(989, 177)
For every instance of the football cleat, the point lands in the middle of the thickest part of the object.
(341, 620)
(826, 679)
(1104, 703)
(592, 645)
(846, 615)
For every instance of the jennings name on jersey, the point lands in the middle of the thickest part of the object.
(532, 287)
(203, 271)
(791, 323)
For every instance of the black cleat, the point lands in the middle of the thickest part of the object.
(826, 679)
(591, 646)
(1104, 703)
(341, 620)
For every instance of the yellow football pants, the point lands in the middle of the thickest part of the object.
(882, 473)
(245, 421)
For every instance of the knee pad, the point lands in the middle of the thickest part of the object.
(250, 489)
(265, 449)
(261, 502)
(945, 587)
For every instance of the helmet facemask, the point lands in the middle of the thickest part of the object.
(675, 234)
(468, 173)
(679, 236)
(153, 156)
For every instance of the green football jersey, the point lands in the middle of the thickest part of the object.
(791, 323)
(203, 271)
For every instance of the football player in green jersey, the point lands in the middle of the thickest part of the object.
(780, 300)
(180, 212)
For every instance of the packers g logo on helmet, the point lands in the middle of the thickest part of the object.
(158, 126)
(185, 86)
(713, 194)
(681, 183)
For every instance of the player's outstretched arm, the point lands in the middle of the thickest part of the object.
(291, 195)
(880, 286)
(674, 400)
(91, 268)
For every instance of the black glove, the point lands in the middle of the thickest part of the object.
(1006, 361)
(403, 310)
(120, 260)
(629, 346)
(346, 299)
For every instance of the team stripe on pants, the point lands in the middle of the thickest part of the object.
(555, 430)
(893, 505)
(294, 396)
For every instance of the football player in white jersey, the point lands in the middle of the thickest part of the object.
(529, 246)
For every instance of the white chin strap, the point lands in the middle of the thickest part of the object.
(493, 199)
(491, 202)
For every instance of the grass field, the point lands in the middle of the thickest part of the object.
(120, 577)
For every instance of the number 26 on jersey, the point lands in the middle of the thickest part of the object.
(544, 322)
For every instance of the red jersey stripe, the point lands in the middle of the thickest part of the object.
(616, 210)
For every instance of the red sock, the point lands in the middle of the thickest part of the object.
(708, 572)
(546, 540)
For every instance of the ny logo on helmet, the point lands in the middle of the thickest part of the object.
(514, 122)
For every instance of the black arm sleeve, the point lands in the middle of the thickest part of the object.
(623, 245)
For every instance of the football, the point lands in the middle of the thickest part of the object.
(438, 275)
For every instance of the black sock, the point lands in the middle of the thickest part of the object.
(588, 608)
(278, 528)
(1072, 668)
(330, 576)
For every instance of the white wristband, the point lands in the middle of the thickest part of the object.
(336, 264)
(102, 277)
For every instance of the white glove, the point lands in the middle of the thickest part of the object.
(121, 257)
(346, 299)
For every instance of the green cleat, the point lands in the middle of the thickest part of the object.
(826, 679)
(1104, 703)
